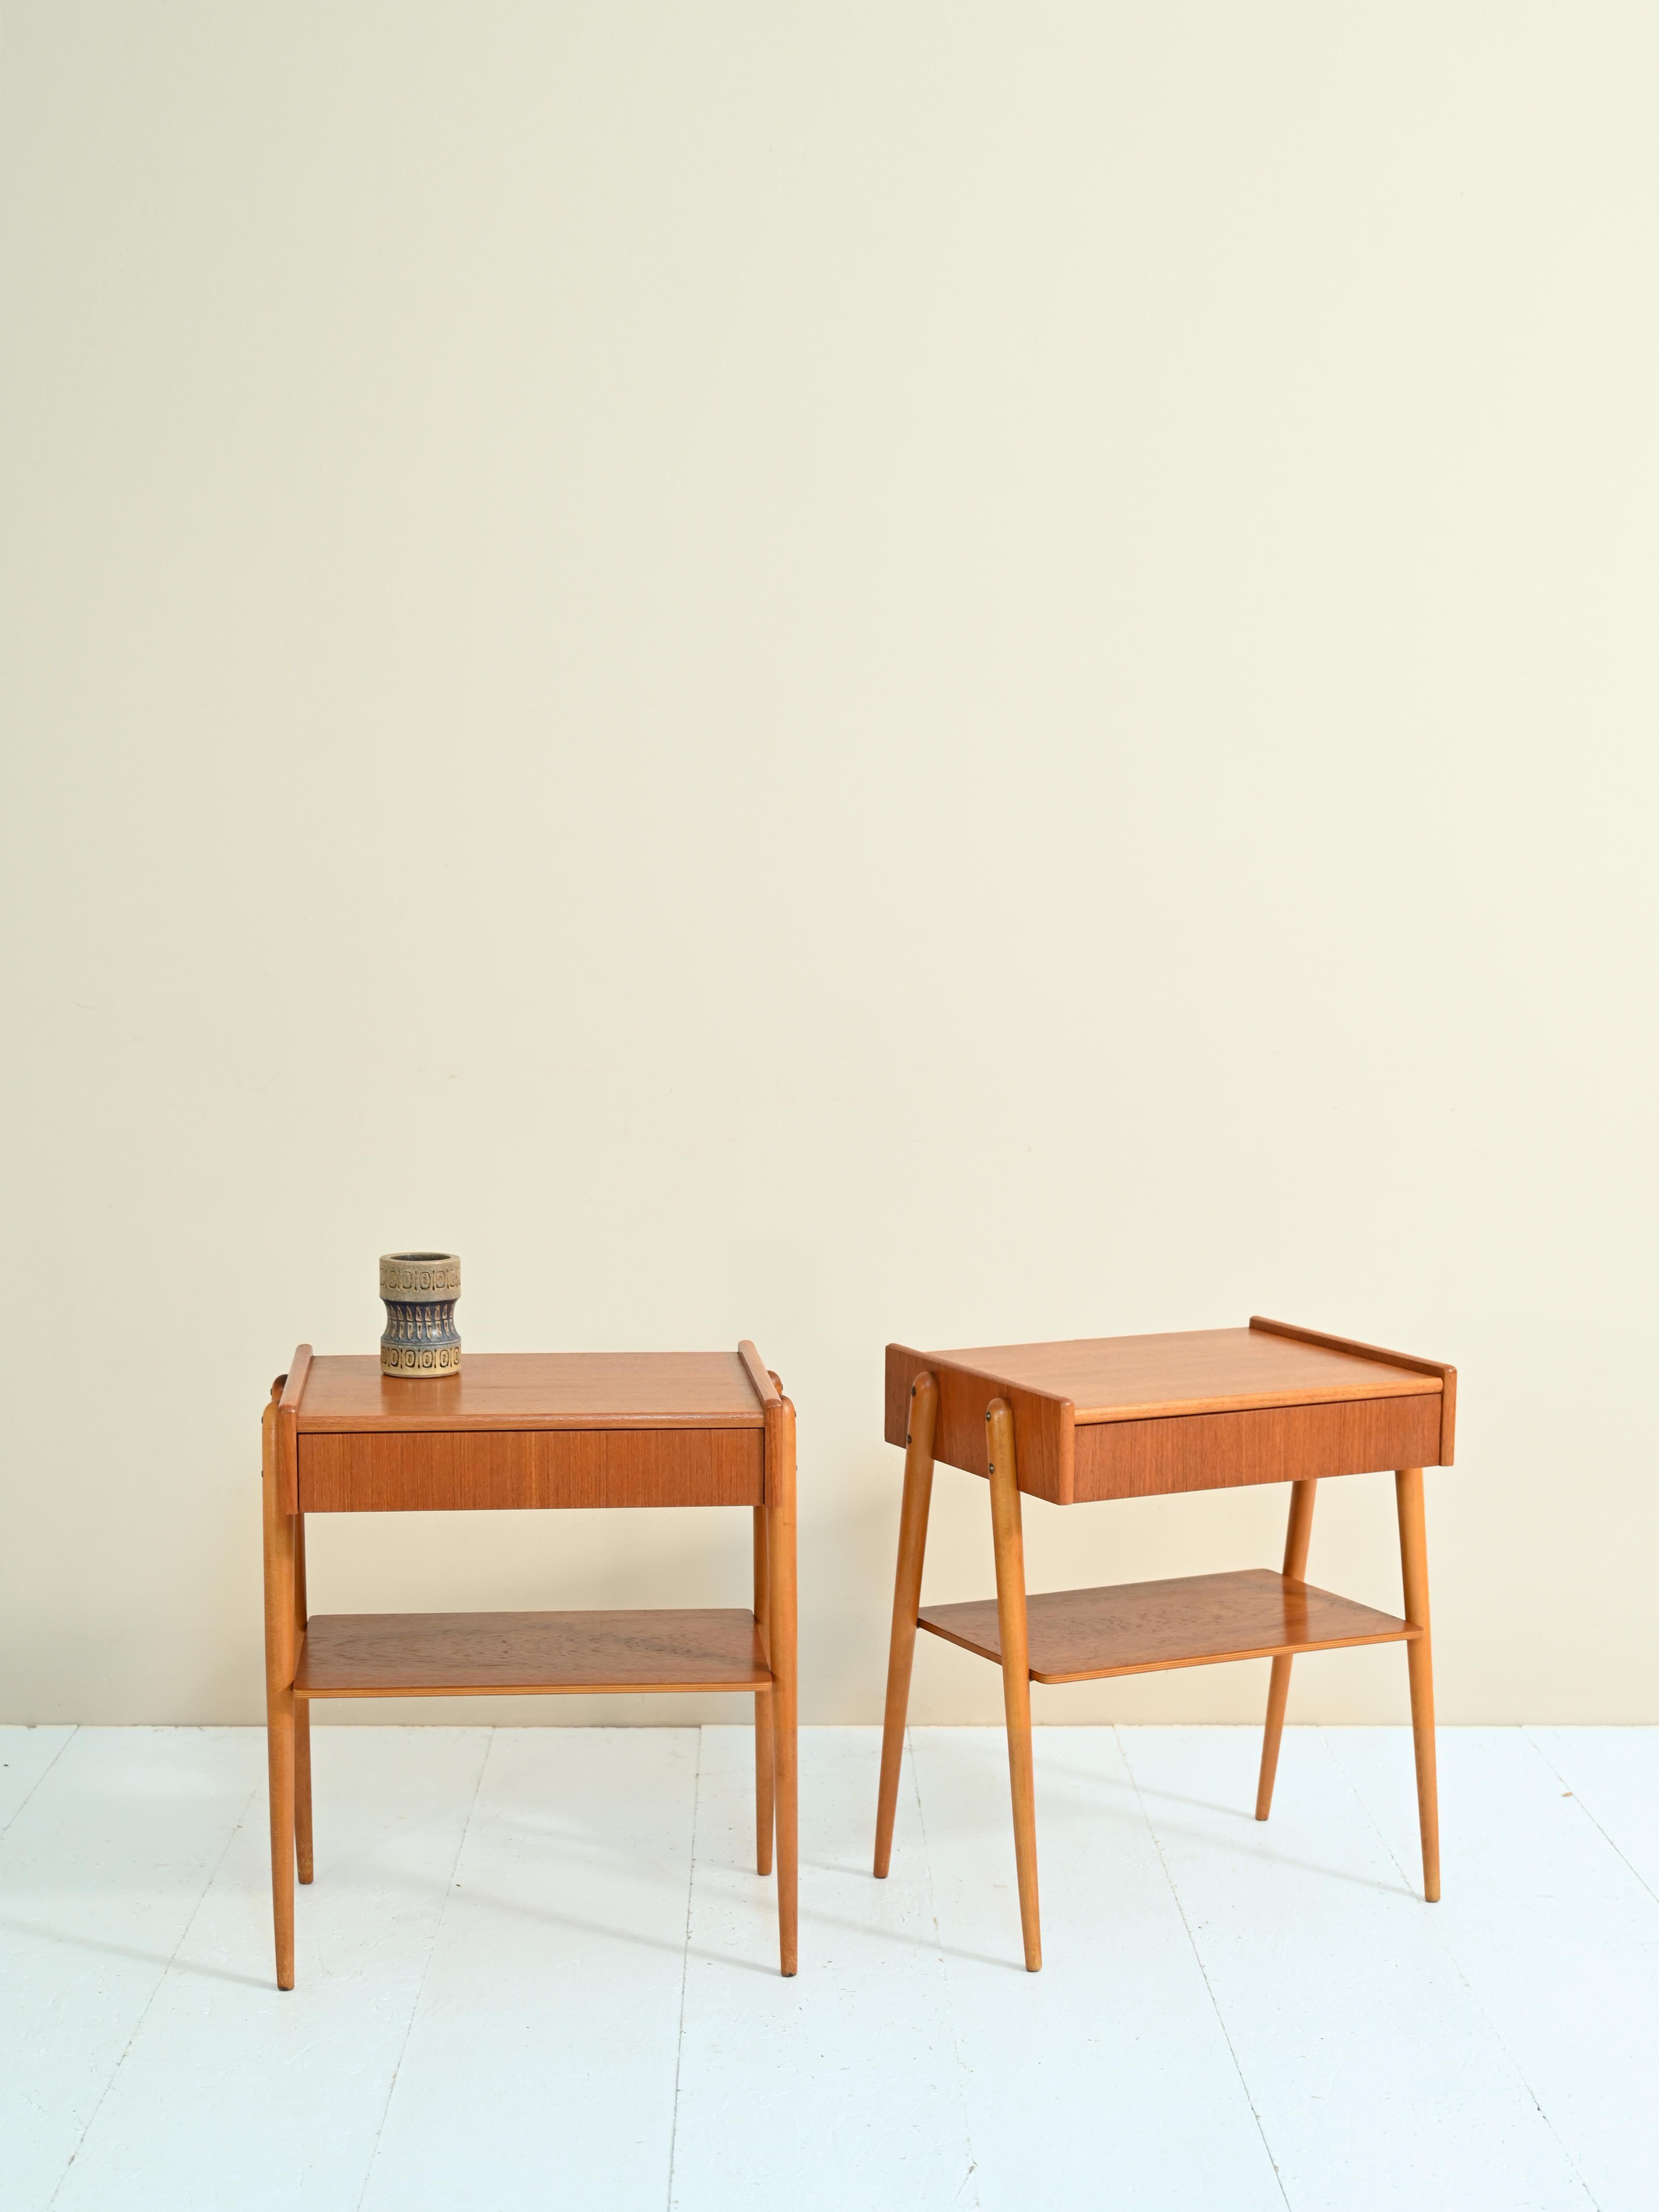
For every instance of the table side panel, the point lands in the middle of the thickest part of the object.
(1276, 1443)
(1043, 1424)
(470, 1470)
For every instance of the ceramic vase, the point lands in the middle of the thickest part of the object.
(420, 1289)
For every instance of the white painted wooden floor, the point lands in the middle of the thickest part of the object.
(536, 1969)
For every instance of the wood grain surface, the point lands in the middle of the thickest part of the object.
(1448, 1374)
(1134, 1416)
(1190, 1621)
(423, 1655)
(1278, 1443)
(450, 1470)
(1203, 1371)
(1043, 1422)
(532, 1390)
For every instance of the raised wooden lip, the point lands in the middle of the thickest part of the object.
(764, 1384)
(294, 1383)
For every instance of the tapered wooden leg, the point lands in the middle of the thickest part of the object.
(907, 1598)
(763, 1809)
(1298, 1530)
(1414, 1574)
(279, 1703)
(1010, 1545)
(301, 1714)
(279, 1747)
(780, 1624)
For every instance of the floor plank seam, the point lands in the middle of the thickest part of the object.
(236, 1826)
(420, 1990)
(1198, 1957)
(1475, 1998)
(685, 1968)
(1580, 1801)
(944, 1974)
(1396, 2044)
(40, 1777)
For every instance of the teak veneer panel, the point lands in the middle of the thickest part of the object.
(1043, 1424)
(423, 1654)
(1190, 1621)
(452, 1470)
(534, 1390)
(1447, 1373)
(1282, 1443)
(1124, 1378)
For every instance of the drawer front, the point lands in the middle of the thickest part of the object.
(1274, 1444)
(466, 1470)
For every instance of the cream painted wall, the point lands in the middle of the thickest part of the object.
(829, 673)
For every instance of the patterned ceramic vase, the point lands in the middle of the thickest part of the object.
(420, 1289)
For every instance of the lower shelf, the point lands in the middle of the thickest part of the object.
(1193, 1620)
(427, 1655)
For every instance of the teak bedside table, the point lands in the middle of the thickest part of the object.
(540, 1429)
(1138, 1417)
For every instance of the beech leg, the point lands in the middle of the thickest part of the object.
(301, 1714)
(1296, 1533)
(763, 1809)
(907, 1599)
(1009, 1547)
(279, 1703)
(1419, 1665)
(782, 1630)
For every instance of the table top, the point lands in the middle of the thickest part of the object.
(1202, 1409)
(534, 1390)
(1205, 1371)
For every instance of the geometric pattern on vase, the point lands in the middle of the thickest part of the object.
(420, 1288)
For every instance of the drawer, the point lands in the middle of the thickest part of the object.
(1272, 1443)
(467, 1469)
